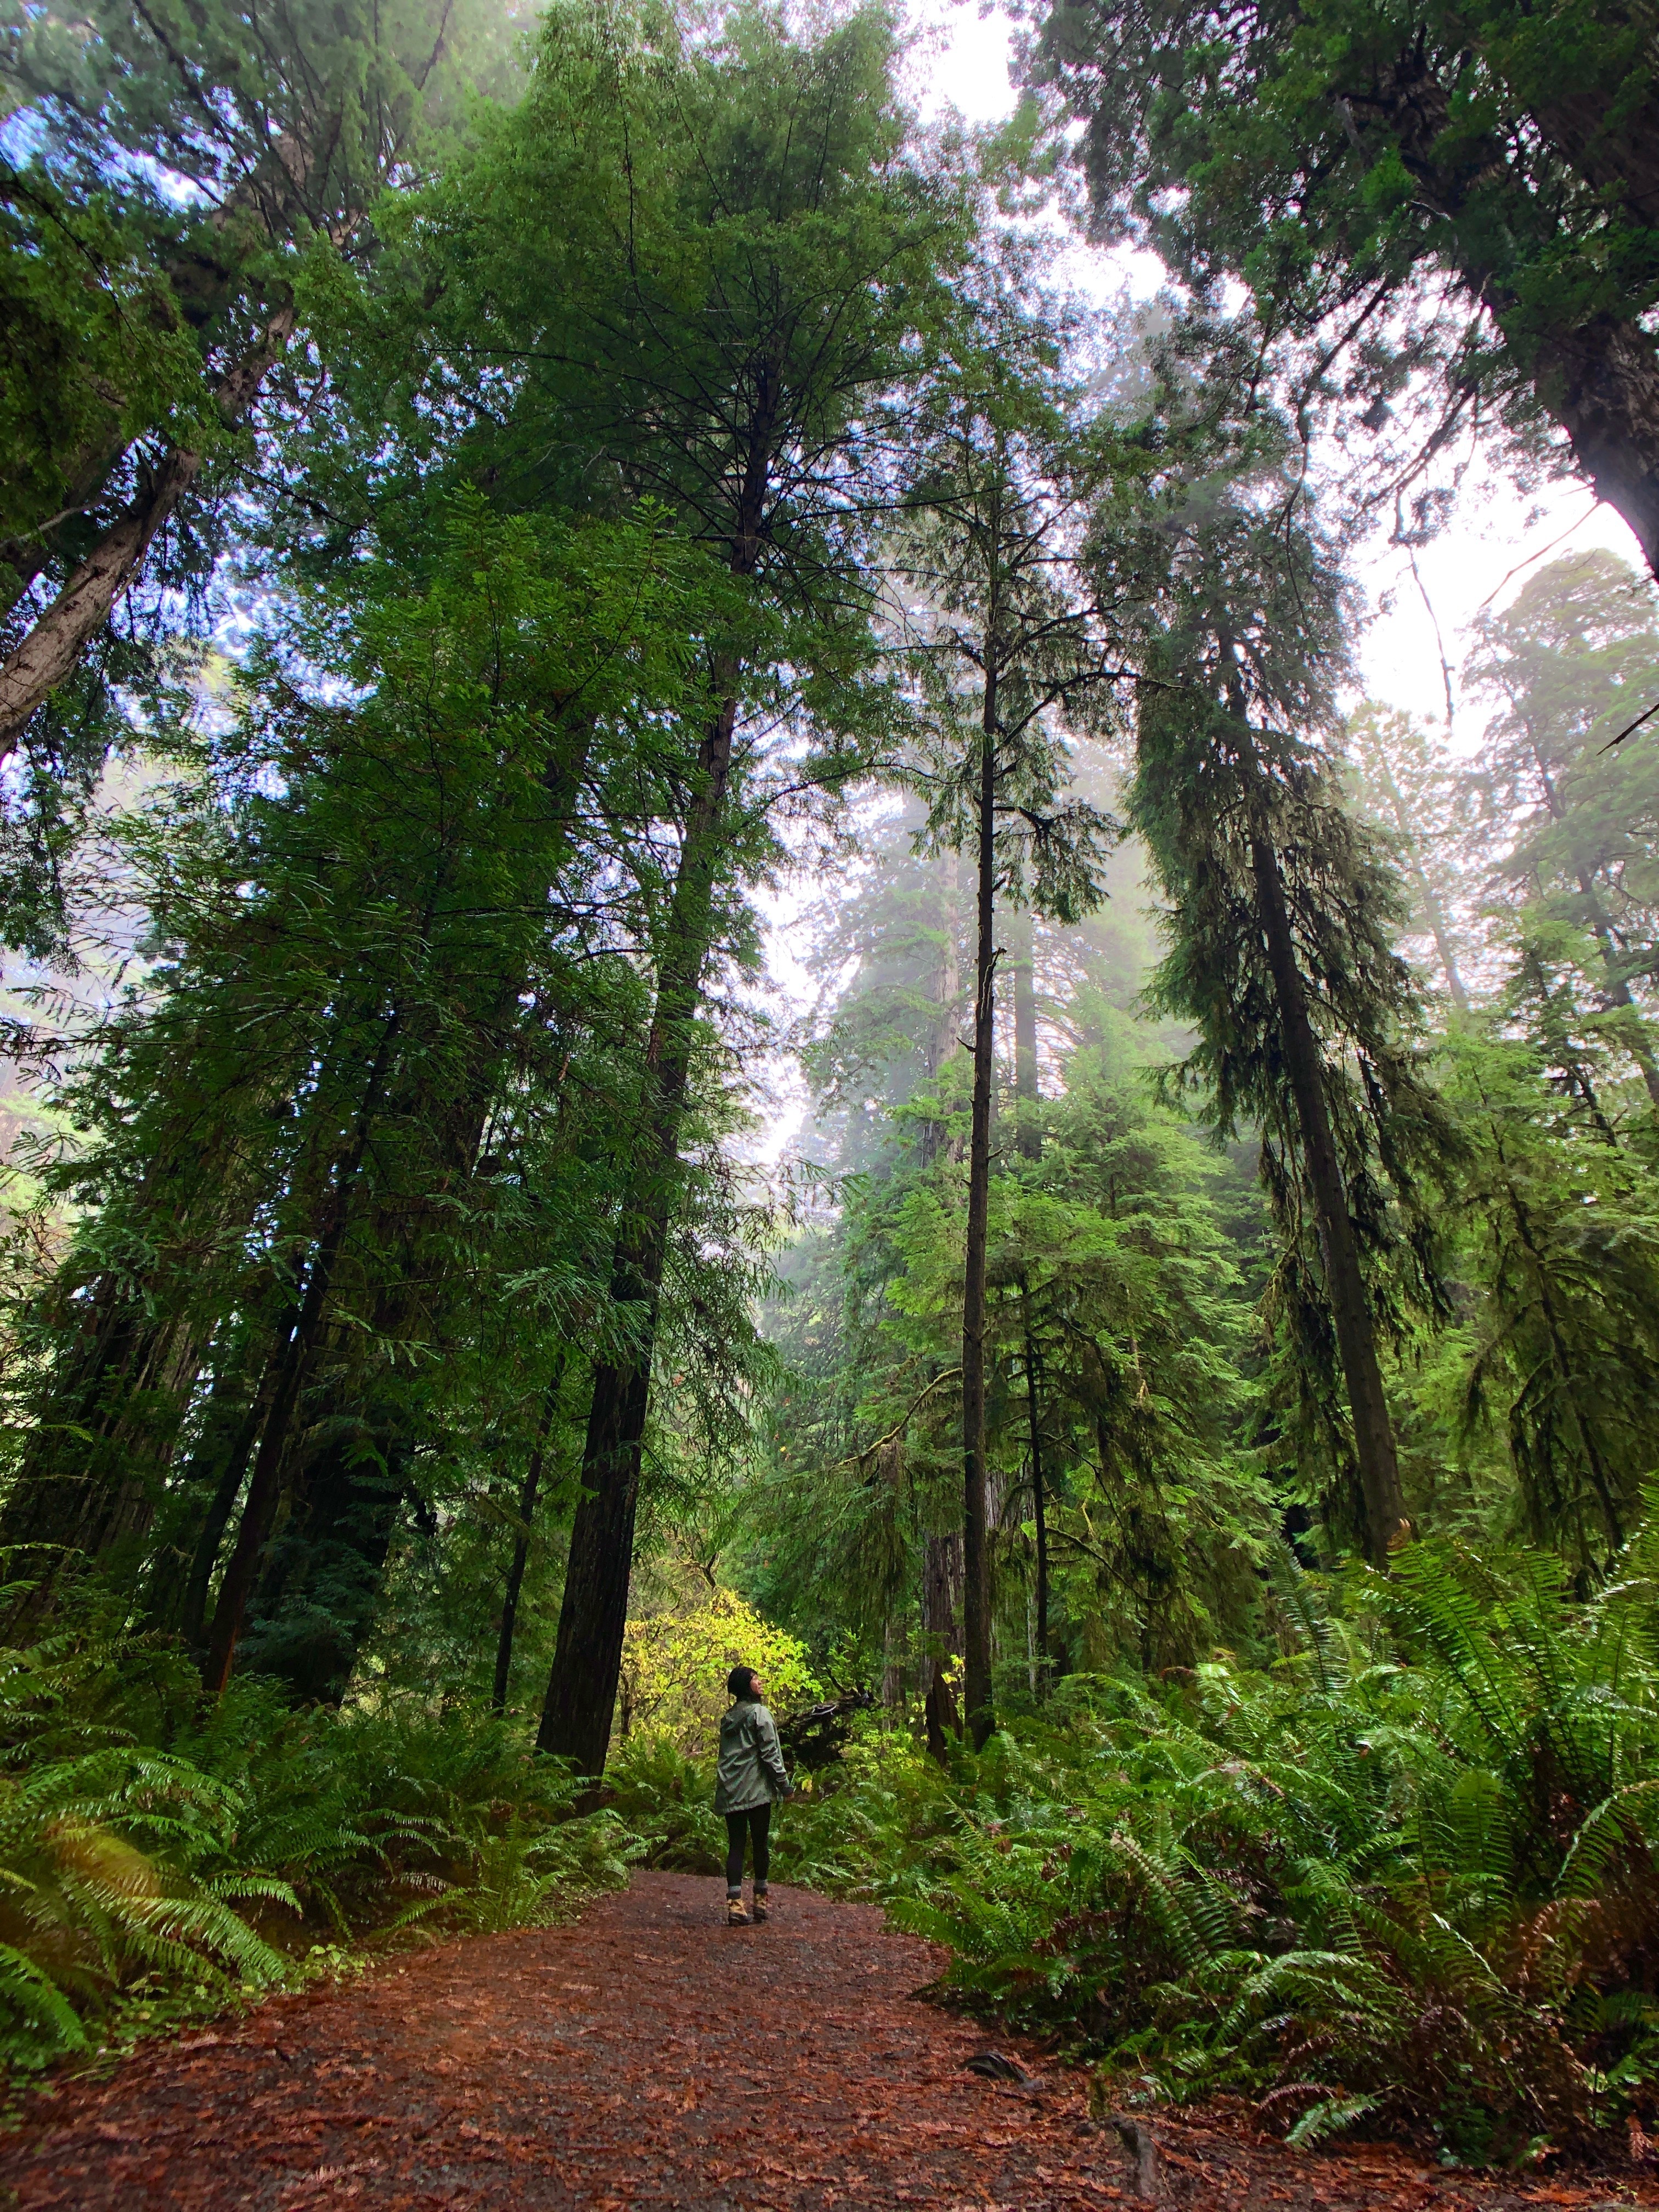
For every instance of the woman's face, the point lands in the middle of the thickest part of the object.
(754, 1684)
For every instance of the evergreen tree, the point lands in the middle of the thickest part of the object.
(703, 323)
(1410, 790)
(1340, 160)
(367, 987)
(1002, 643)
(196, 169)
(1573, 802)
(1559, 1238)
(1282, 910)
(1115, 1284)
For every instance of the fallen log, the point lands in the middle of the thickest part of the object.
(818, 1736)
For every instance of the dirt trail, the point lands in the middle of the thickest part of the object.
(650, 2056)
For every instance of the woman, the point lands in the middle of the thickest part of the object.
(749, 1780)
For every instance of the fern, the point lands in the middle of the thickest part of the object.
(197, 1871)
(1386, 1877)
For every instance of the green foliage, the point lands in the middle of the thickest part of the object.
(1567, 666)
(1558, 1232)
(665, 1799)
(87, 364)
(1113, 1270)
(651, 456)
(676, 1655)
(159, 1859)
(328, 885)
(1440, 208)
(178, 184)
(1404, 1870)
(1281, 911)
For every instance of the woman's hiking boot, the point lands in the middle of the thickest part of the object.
(760, 1907)
(735, 1914)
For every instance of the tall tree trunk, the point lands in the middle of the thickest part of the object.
(1428, 898)
(532, 1483)
(193, 1616)
(582, 1691)
(941, 1580)
(1382, 1499)
(1601, 380)
(942, 1043)
(1039, 1504)
(976, 1565)
(1021, 934)
(285, 1374)
(51, 649)
(1619, 990)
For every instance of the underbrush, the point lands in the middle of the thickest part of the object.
(1404, 1875)
(161, 1859)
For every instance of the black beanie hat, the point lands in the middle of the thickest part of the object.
(741, 1681)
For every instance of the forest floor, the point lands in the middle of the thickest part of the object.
(646, 2055)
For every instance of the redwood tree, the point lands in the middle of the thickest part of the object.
(740, 256)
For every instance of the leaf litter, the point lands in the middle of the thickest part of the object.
(649, 2055)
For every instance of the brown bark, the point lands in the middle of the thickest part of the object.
(205, 279)
(50, 650)
(1382, 1499)
(976, 1564)
(1039, 1502)
(284, 1378)
(532, 1482)
(26, 556)
(582, 1691)
(941, 1584)
(1601, 380)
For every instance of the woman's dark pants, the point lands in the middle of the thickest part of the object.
(739, 1827)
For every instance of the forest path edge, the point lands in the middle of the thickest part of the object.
(646, 2054)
